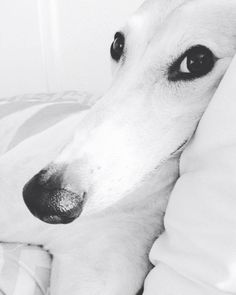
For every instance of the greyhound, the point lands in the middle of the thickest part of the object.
(102, 190)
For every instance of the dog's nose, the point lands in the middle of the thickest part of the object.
(48, 200)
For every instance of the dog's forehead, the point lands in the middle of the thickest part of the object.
(208, 21)
(191, 16)
(154, 12)
(159, 10)
(161, 6)
(143, 23)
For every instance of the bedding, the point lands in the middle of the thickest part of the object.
(25, 269)
(197, 253)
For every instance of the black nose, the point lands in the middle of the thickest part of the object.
(49, 201)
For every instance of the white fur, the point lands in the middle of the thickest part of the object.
(121, 151)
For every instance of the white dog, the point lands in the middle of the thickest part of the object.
(114, 178)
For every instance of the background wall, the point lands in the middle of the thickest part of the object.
(56, 45)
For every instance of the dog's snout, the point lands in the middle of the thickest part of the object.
(50, 200)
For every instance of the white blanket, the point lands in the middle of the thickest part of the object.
(25, 269)
(197, 253)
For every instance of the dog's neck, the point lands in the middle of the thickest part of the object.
(109, 253)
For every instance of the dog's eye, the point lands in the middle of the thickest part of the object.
(117, 46)
(196, 62)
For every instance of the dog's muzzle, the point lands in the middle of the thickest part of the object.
(48, 201)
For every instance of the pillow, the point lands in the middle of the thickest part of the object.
(197, 253)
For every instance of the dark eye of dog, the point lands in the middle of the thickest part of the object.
(196, 62)
(117, 46)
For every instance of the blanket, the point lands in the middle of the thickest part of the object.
(25, 269)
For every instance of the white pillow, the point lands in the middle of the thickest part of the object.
(197, 252)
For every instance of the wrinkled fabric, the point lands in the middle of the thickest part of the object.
(25, 269)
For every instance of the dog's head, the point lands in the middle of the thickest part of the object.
(168, 61)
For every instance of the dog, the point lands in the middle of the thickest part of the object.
(102, 191)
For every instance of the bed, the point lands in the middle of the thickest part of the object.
(25, 269)
(197, 252)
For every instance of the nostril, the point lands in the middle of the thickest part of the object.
(50, 177)
(49, 202)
